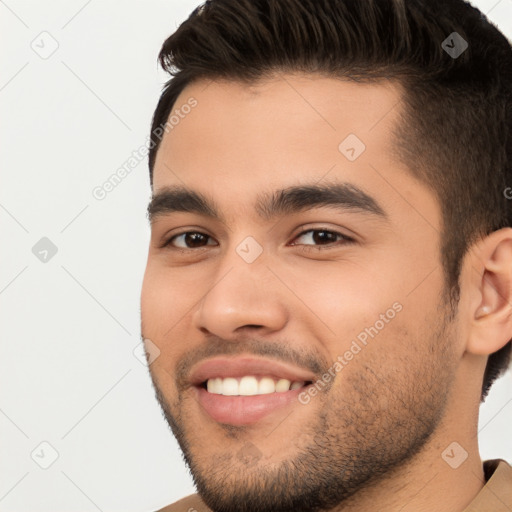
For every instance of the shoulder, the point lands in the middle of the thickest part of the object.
(496, 494)
(192, 503)
(497, 469)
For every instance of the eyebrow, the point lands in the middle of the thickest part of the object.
(269, 205)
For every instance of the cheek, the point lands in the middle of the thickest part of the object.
(168, 297)
(151, 303)
(368, 309)
(347, 297)
(163, 300)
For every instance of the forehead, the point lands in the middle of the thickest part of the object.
(239, 140)
(271, 118)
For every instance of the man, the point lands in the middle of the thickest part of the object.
(329, 278)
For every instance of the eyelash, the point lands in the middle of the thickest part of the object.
(346, 240)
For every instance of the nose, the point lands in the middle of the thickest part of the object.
(242, 296)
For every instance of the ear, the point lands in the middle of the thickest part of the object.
(491, 293)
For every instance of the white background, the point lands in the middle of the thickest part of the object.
(68, 374)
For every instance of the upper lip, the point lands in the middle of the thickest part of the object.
(240, 366)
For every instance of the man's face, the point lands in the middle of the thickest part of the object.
(338, 293)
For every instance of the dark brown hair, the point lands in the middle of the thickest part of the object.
(455, 133)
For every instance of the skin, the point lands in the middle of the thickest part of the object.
(377, 433)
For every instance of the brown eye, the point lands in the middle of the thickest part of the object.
(188, 240)
(323, 237)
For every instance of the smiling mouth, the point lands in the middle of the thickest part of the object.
(247, 400)
(250, 385)
(245, 390)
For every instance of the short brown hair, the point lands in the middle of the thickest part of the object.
(456, 132)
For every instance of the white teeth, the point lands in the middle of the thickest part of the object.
(214, 386)
(250, 386)
(230, 386)
(282, 385)
(266, 386)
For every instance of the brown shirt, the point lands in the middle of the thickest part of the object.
(496, 495)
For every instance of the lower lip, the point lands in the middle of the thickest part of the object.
(245, 410)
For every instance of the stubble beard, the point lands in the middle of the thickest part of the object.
(380, 417)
